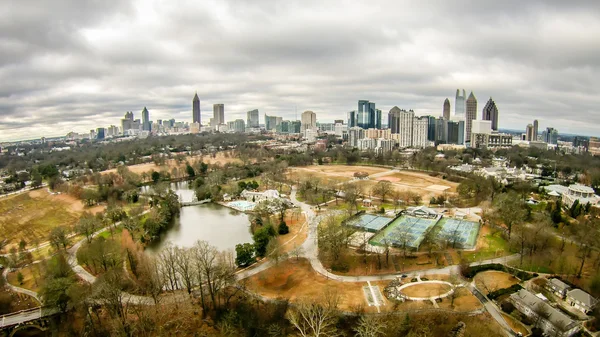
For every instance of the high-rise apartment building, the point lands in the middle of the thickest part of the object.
(459, 103)
(446, 112)
(218, 114)
(529, 133)
(405, 127)
(146, 126)
(196, 110)
(490, 113)
(470, 115)
(272, 123)
(354, 135)
(252, 118)
(535, 130)
(309, 120)
(237, 125)
(420, 131)
(394, 120)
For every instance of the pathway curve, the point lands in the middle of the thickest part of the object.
(311, 252)
(19, 289)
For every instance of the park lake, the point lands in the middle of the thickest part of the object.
(220, 226)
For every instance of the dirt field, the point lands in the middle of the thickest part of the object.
(295, 280)
(492, 280)
(464, 301)
(426, 290)
(31, 216)
(424, 184)
(220, 158)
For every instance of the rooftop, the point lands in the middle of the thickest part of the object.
(557, 318)
(582, 296)
(581, 188)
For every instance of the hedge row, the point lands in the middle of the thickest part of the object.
(512, 289)
(471, 271)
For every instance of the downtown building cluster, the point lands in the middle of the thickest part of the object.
(363, 129)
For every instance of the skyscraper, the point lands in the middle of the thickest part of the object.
(529, 133)
(377, 118)
(145, 120)
(309, 120)
(366, 115)
(470, 115)
(219, 114)
(446, 113)
(196, 110)
(394, 120)
(459, 104)
(535, 130)
(490, 113)
(252, 118)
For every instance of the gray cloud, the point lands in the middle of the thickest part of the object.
(75, 65)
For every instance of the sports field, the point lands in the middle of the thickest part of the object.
(368, 222)
(463, 231)
(405, 230)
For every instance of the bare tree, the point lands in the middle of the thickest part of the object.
(382, 189)
(297, 252)
(370, 326)
(313, 320)
(168, 265)
(185, 268)
(151, 280)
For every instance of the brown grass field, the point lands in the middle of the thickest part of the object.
(297, 234)
(220, 159)
(17, 301)
(424, 184)
(492, 280)
(426, 290)
(31, 216)
(32, 277)
(296, 281)
(515, 325)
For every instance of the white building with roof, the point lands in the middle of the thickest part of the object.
(260, 196)
(581, 300)
(584, 194)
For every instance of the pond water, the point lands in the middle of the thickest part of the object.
(220, 226)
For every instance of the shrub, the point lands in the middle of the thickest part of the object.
(283, 228)
(512, 289)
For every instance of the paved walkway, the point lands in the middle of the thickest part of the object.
(19, 289)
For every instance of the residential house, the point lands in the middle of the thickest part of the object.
(550, 320)
(581, 300)
(558, 287)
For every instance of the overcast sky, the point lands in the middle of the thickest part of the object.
(73, 65)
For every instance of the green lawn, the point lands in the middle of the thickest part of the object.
(494, 245)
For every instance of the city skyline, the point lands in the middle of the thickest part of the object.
(53, 81)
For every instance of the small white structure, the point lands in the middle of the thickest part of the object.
(421, 212)
(584, 194)
(260, 196)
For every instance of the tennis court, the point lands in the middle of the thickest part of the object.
(405, 230)
(463, 231)
(370, 223)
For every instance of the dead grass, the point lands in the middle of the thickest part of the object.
(32, 277)
(220, 158)
(296, 281)
(426, 290)
(296, 236)
(515, 325)
(31, 216)
(17, 301)
(492, 280)
(463, 301)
